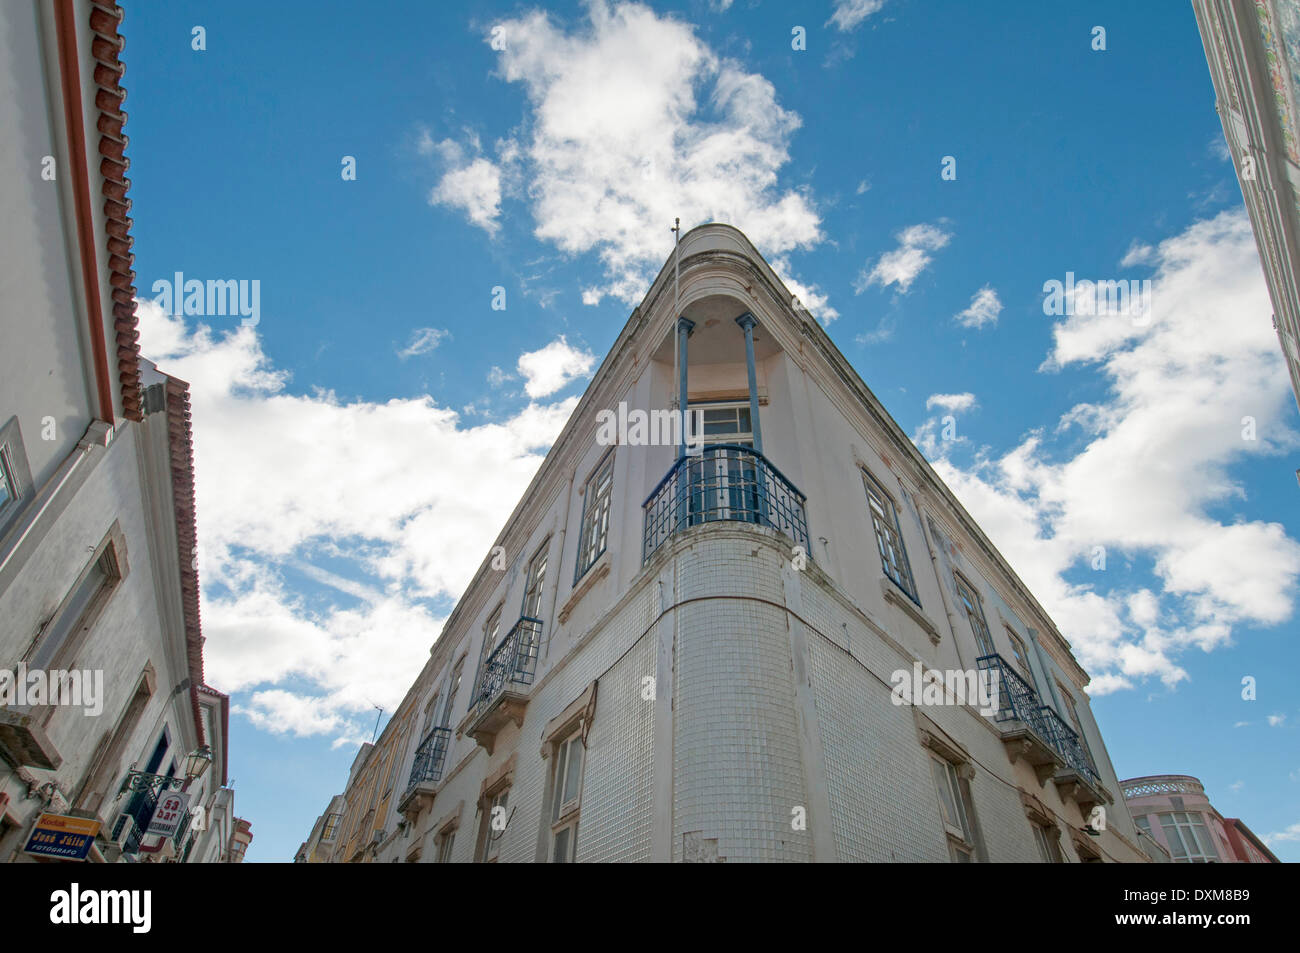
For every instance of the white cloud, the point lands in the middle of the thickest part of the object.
(496, 376)
(292, 484)
(905, 263)
(632, 121)
(953, 403)
(551, 368)
(423, 340)
(1276, 721)
(849, 14)
(1290, 834)
(472, 185)
(1153, 479)
(985, 307)
(1236, 786)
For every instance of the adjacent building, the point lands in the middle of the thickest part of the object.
(108, 733)
(1174, 811)
(727, 651)
(1253, 50)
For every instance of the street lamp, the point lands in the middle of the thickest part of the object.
(197, 762)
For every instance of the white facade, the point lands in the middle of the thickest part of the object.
(97, 573)
(730, 693)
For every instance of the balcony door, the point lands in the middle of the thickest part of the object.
(723, 483)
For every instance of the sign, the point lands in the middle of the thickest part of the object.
(169, 813)
(57, 835)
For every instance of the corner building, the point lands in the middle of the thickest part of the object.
(689, 658)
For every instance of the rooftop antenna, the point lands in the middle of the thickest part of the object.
(677, 298)
(375, 733)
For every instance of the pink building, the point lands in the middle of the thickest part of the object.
(1173, 811)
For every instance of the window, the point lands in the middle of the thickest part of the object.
(453, 686)
(954, 810)
(1144, 823)
(532, 607)
(1068, 701)
(8, 484)
(445, 842)
(975, 614)
(889, 539)
(331, 827)
(1189, 841)
(566, 795)
(15, 476)
(1022, 658)
(495, 818)
(595, 516)
(63, 634)
(1048, 849)
(491, 632)
(727, 422)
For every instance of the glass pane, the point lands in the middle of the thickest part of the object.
(574, 774)
(557, 785)
(561, 855)
(946, 806)
(71, 617)
(742, 417)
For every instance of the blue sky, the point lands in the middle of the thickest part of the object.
(334, 437)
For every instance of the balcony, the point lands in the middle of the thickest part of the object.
(503, 685)
(1037, 734)
(724, 482)
(1079, 780)
(426, 772)
(1027, 732)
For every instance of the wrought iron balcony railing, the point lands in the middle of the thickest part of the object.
(430, 756)
(1017, 699)
(1072, 749)
(724, 482)
(512, 663)
(140, 810)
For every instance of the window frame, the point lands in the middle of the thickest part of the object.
(604, 502)
(1189, 824)
(985, 641)
(566, 805)
(490, 848)
(744, 438)
(445, 842)
(538, 579)
(877, 495)
(16, 472)
(1020, 652)
(962, 846)
(1049, 847)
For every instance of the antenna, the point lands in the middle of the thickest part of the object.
(375, 733)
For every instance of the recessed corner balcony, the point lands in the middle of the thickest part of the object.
(503, 687)
(1034, 732)
(723, 482)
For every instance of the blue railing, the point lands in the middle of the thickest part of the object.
(430, 756)
(723, 482)
(513, 662)
(1017, 700)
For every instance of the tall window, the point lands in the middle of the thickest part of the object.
(495, 816)
(1022, 658)
(331, 827)
(532, 607)
(453, 686)
(954, 810)
(63, 634)
(595, 516)
(445, 842)
(1068, 701)
(1189, 841)
(975, 614)
(566, 797)
(1048, 849)
(889, 538)
(8, 484)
